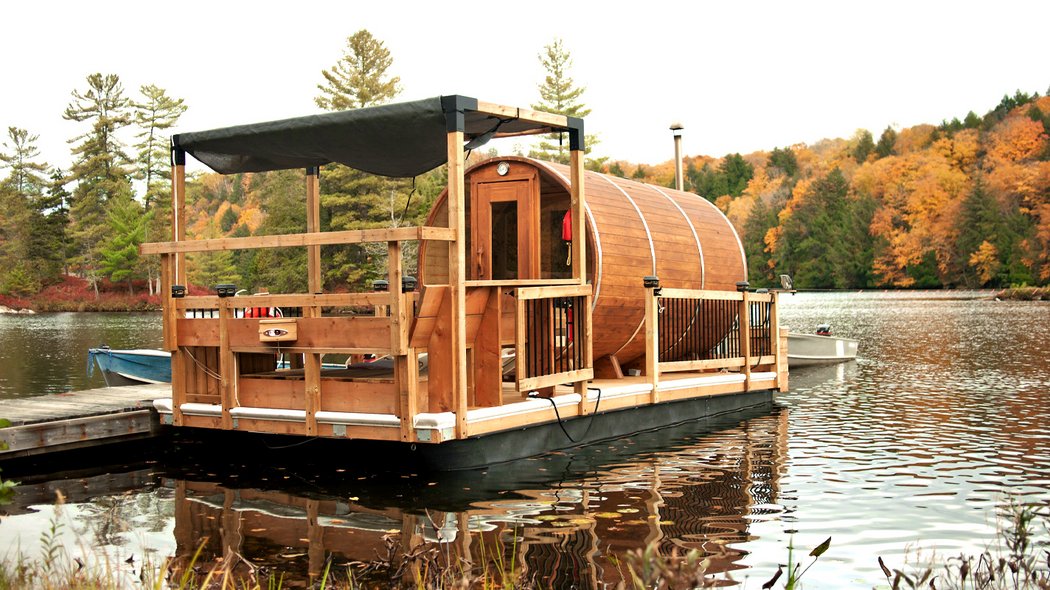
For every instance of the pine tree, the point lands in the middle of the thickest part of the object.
(18, 195)
(862, 145)
(359, 78)
(120, 252)
(156, 114)
(99, 170)
(784, 160)
(887, 141)
(353, 199)
(559, 95)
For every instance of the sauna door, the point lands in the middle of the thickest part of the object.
(505, 228)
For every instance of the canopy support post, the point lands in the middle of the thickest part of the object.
(313, 225)
(579, 239)
(457, 279)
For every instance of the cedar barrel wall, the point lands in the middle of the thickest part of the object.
(633, 230)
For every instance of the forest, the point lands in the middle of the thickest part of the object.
(960, 204)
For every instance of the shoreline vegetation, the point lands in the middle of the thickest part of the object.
(1024, 294)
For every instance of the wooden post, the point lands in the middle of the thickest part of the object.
(745, 337)
(313, 225)
(167, 303)
(652, 343)
(578, 206)
(406, 366)
(176, 275)
(457, 279)
(312, 380)
(783, 377)
(775, 341)
(178, 210)
(227, 370)
(586, 341)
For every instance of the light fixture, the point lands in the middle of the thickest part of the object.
(178, 291)
(651, 282)
(408, 284)
(743, 286)
(502, 168)
(380, 285)
(226, 290)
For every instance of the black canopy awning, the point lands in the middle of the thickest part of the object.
(401, 140)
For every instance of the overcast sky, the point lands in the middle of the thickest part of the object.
(741, 76)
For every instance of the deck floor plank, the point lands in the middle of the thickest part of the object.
(78, 418)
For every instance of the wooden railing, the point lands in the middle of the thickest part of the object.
(693, 330)
(552, 336)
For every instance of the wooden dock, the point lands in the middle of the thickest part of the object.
(79, 419)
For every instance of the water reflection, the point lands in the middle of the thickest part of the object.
(562, 516)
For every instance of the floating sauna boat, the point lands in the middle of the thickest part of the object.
(556, 306)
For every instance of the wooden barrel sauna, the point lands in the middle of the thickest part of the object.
(514, 211)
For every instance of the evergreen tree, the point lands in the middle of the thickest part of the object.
(863, 145)
(120, 253)
(763, 217)
(353, 199)
(988, 243)
(887, 141)
(824, 243)
(19, 156)
(359, 78)
(49, 248)
(738, 172)
(19, 192)
(154, 116)
(99, 169)
(784, 160)
(559, 95)
(281, 270)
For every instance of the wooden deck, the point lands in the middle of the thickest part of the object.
(79, 419)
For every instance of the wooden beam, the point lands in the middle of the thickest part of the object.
(355, 236)
(579, 216)
(521, 114)
(398, 316)
(527, 293)
(282, 300)
(457, 275)
(700, 294)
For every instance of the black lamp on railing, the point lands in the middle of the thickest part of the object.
(226, 290)
(408, 284)
(652, 282)
(743, 286)
(381, 286)
(178, 291)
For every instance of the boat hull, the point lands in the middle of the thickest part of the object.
(811, 349)
(132, 367)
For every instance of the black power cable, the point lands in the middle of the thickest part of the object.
(561, 423)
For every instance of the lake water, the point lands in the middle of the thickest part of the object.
(908, 450)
